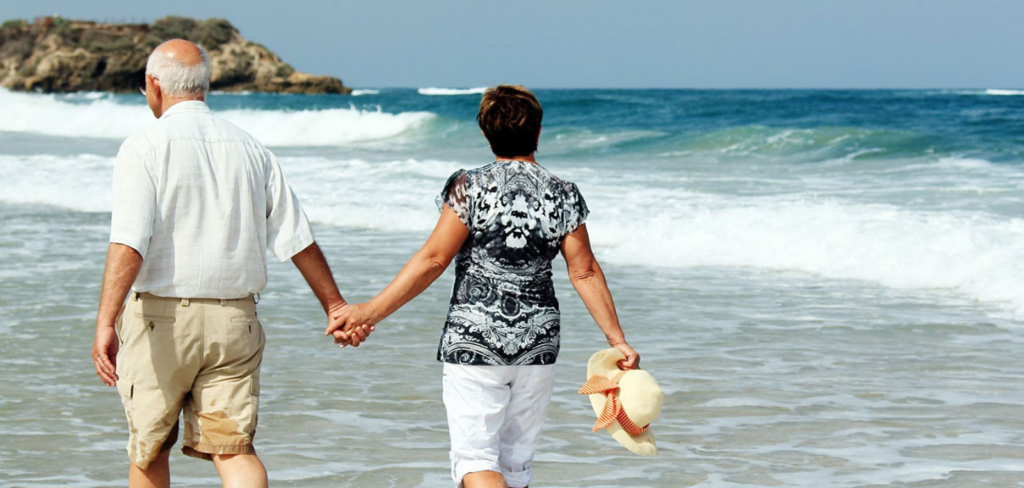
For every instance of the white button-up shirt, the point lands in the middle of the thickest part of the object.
(201, 200)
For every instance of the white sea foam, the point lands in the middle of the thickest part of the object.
(105, 118)
(396, 196)
(331, 127)
(970, 254)
(357, 93)
(574, 140)
(998, 92)
(93, 95)
(79, 182)
(964, 164)
(452, 91)
(390, 195)
(49, 114)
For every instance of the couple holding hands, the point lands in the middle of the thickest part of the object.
(196, 203)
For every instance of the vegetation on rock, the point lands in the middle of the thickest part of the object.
(58, 55)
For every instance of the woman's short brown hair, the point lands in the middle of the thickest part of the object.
(510, 117)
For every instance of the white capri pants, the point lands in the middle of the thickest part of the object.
(495, 414)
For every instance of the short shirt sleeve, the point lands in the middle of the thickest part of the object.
(455, 195)
(134, 202)
(288, 229)
(576, 210)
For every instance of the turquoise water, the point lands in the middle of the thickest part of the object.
(827, 284)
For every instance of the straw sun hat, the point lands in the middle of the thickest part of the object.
(625, 402)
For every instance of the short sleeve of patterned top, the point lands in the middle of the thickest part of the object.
(503, 309)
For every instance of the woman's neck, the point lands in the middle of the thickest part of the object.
(525, 159)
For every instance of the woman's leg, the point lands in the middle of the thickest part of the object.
(484, 479)
(475, 398)
(530, 396)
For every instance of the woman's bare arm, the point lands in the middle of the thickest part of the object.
(588, 279)
(422, 269)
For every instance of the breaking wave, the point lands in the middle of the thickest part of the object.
(992, 91)
(452, 91)
(105, 117)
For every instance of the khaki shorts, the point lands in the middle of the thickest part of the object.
(200, 357)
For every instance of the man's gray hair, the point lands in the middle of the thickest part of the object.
(179, 80)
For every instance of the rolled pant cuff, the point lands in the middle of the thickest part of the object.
(206, 451)
(518, 480)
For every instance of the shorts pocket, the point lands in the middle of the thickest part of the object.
(155, 318)
(254, 399)
(127, 391)
(119, 324)
(248, 326)
(152, 321)
(126, 388)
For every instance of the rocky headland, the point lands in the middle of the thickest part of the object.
(56, 55)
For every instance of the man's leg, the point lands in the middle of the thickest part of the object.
(240, 470)
(158, 475)
(222, 411)
(156, 372)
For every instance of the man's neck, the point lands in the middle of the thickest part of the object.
(170, 102)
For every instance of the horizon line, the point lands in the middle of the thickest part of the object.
(470, 87)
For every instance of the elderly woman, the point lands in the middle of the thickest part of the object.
(503, 223)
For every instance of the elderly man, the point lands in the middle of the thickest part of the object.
(197, 201)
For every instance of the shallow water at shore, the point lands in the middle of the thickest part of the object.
(775, 380)
(814, 321)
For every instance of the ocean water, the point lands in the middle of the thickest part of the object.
(829, 285)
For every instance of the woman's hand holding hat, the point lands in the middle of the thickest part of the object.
(632, 360)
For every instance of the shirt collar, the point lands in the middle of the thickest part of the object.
(185, 107)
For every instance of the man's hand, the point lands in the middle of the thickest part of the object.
(350, 325)
(123, 264)
(104, 354)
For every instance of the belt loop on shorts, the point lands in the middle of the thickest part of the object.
(223, 302)
(135, 296)
(256, 298)
(184, 302)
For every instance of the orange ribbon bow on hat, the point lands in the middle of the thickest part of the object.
(612, 407)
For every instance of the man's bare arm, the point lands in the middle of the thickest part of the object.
(123, 264)
(313, 266)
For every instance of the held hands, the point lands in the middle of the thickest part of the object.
(350, 325)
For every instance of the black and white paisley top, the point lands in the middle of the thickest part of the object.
(503, 309)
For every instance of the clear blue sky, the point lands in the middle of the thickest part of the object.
(624, 43)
